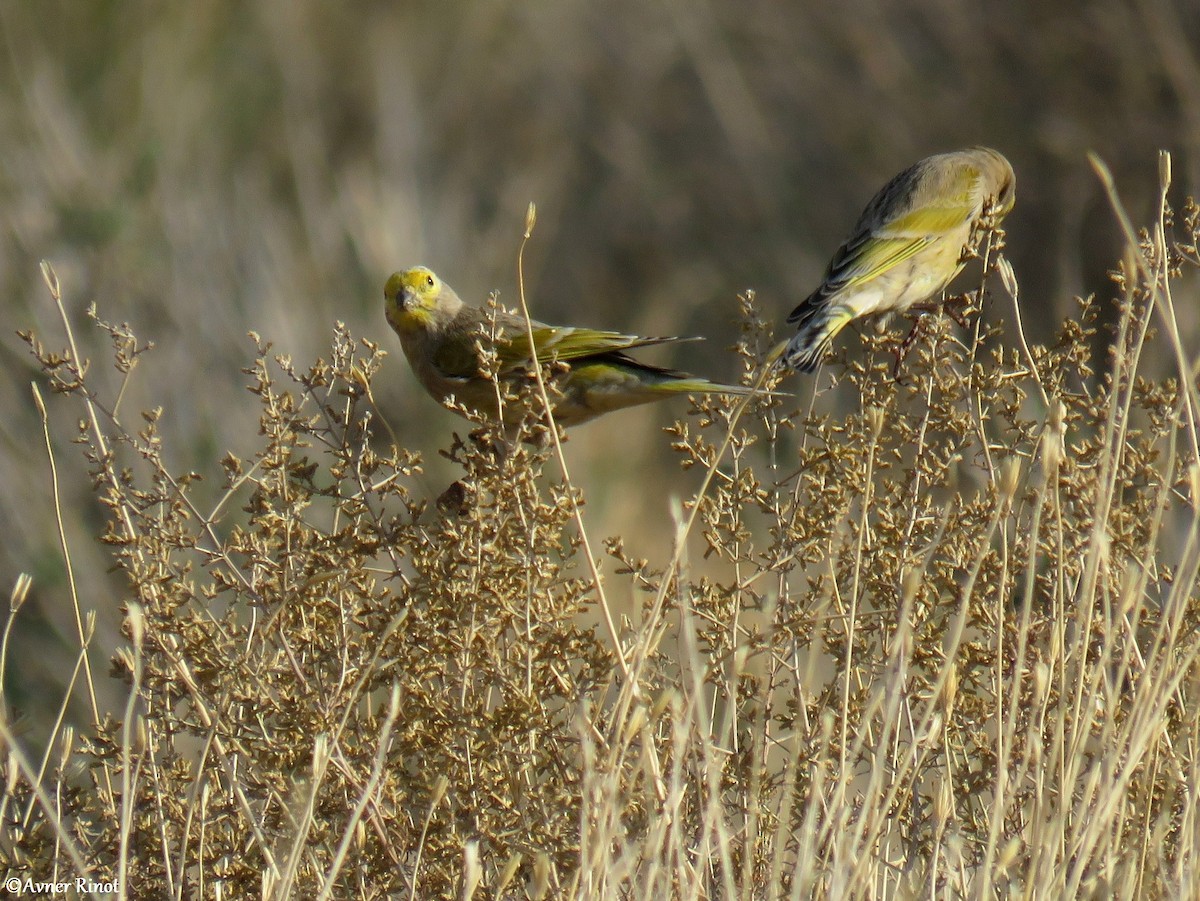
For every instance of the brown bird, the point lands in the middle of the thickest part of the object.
(439, 333)
(906, 246)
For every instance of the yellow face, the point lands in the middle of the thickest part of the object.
(411, 297)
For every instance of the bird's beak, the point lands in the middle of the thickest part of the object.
(408, 299)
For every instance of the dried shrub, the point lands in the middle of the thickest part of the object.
(944, 644)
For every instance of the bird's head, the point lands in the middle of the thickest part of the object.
(417, 299)
(1006, 199)
(999, 172)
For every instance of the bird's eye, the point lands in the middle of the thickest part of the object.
(429, 281)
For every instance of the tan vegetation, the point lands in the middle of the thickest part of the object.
(951, 650)
(933, 637)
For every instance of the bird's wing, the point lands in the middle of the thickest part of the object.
(919, 219)
(565, 342)
(456, 356)
(869, 254)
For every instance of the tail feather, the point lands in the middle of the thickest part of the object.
(805, 351)
(697, 385)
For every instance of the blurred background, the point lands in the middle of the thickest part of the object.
(200, 170)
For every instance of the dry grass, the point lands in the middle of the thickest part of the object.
(262, 165)
(943, 645)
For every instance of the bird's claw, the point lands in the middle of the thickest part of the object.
(959, 308)
(905, 346)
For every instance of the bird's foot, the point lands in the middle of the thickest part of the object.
(905, 346)
(959, 308)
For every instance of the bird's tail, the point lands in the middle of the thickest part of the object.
(816, 333)
(697, 385)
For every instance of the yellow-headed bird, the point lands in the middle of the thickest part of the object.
(439, 334)
(907, 245)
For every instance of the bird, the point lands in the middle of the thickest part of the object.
(441, 337)
(907, 245)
